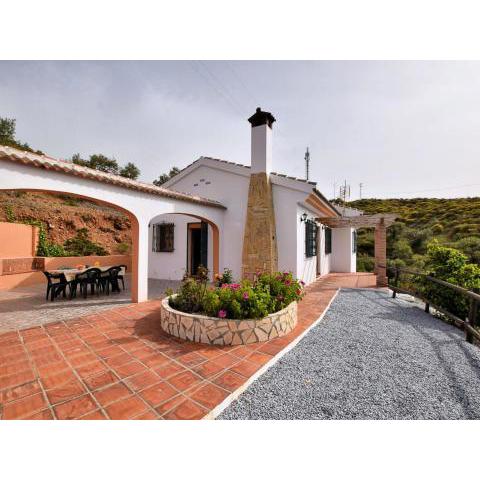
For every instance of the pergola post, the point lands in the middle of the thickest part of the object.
(381, 253)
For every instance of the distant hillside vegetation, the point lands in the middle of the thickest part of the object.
(451, 222)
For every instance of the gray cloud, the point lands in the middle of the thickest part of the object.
(402, 128)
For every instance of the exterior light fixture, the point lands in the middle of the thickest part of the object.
(304, 217)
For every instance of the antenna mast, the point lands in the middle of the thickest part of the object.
(307, 164)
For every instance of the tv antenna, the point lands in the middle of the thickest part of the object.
(345, 194)
(307, 165)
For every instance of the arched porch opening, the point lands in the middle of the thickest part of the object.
(172, 257)
(134, 279)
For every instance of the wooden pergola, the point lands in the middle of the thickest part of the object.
(380, 222)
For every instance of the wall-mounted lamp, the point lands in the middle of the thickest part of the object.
(303, 217)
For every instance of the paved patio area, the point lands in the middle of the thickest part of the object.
(119, 364)
(26, 306)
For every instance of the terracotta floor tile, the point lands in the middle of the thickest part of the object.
(126, 409)
(169, 369)
(226, 360)
(119, 359)
(208, 369)
(209, 395)
(158, 394)
(43, 415)
(53, 368)
(65, 392)
(15, 379)
(184, 380)
(82, 359)
(75, 408)
(155, 360)
(101, 380)
(170, 404)
(112, 393)
(58, 379)
(191, 359)
(96, 415)
(247, 369)
(129, 369)
(230, 380)
(142, 380)
(24, 407)
(109, 352)
(47, 359)
(187, 410)
(210, 352)
(16, 393)
(15, 368)
(270, 348)
(90, 369)
(258, 357)
(147, 416)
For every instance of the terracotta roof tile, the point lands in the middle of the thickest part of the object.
(64, 166)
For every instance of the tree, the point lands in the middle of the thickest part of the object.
(7, 136)
(97, 161)
(130, 170)
(164, 177)
(7, 131)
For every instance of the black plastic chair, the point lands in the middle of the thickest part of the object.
(57, 283)
(109, 278)
(88, 277)
(121, 274)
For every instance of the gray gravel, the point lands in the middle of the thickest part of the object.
(372, 357)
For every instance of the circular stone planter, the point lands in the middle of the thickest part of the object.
(219, 331)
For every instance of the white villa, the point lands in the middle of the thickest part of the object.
(269, 221)
(215, 213)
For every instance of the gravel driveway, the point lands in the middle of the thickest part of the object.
(372, 357)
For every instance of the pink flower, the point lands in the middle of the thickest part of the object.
(302, 282)
(287, 282)
(245, 295)
(222, 313)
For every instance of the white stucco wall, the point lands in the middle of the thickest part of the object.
(172, 265)
(343, 258)
(325, 259)
(232, 191)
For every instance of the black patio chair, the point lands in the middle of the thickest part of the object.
(122, 274)
(109, 279)
(56, 284)
(90, 277)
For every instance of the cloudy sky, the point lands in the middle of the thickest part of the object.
(403, 129)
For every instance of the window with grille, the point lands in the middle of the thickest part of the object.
(310, 238)
(354, 241)
(163, 237)
(328, 240)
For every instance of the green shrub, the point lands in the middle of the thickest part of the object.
(123, 248)
(226, 277)
(269, 293)
(81, 245)
(10, 214)
(450, 265)
(365, 263)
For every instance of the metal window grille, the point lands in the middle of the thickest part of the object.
(310, 238)
(328, 240)
(163, 237)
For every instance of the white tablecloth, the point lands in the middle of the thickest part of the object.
(71, 272)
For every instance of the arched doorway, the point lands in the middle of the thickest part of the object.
(179, 242)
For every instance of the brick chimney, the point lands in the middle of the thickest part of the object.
(260, 240)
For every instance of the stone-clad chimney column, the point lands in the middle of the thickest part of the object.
(260, 240)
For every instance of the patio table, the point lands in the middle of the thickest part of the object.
(70, 273)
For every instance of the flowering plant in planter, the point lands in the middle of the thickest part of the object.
(268, 294)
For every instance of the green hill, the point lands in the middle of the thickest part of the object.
(452, 222)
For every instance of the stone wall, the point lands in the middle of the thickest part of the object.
(216, 331)
(260, 240)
